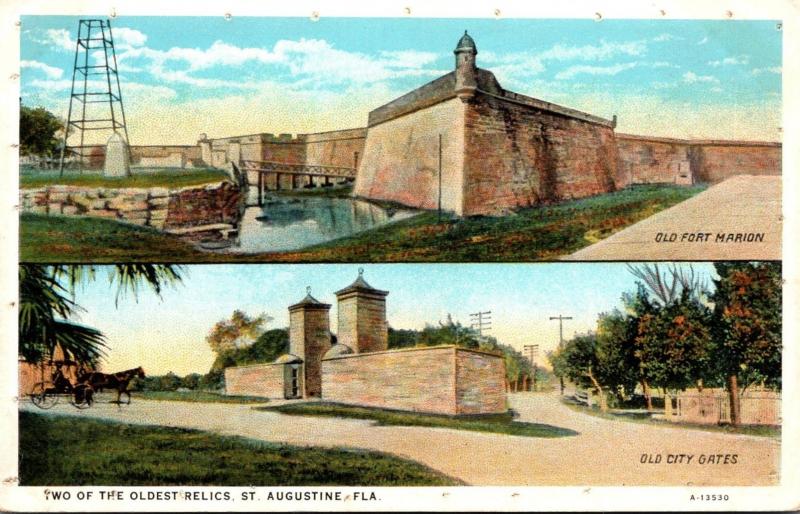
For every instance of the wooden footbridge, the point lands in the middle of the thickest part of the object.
(280, 175)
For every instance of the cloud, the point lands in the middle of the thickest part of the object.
(144, 91)
(665, 37)
(516, 69)
(307, 61)
(59, 38)
(730, 61)
(772, 69)
(691, 77)
(572, 71)
(50, 71)
(128, 38)
(703, 41)
(603, 51)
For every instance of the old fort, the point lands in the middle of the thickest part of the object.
(465, 143)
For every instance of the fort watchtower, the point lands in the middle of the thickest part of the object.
(466, 51)
(362, 317)
(309, 339)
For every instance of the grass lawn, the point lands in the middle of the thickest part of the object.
(80, 239)
(73, 451)
(195, 396)
(171, 178)
(543, 233)
(757, 430)
(494, 423)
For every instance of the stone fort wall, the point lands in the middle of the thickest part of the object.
(335, 148)
(437, 380)
(520, 154)
(649, 160)
(401, 158)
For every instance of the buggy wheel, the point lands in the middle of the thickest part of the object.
(83, 396)
(43, 395)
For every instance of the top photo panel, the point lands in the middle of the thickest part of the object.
(241, 139)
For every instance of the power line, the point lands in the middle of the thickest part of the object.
(480, 321)
(561, 320)
(532, 352)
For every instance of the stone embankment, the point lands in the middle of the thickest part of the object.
(197, 212)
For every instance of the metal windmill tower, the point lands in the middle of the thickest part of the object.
(94, 106)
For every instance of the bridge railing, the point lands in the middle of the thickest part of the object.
(298, 169)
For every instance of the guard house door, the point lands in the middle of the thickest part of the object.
(292, 381)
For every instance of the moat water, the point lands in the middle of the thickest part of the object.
(294, 222)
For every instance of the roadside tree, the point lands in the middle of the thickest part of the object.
(747, 325)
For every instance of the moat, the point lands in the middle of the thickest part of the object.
(286, 223)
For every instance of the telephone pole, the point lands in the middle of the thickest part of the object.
(532, 352)
(561, 320)
(480, 321)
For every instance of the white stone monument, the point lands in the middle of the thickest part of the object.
(118, 163)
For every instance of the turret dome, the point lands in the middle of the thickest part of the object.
(466, 43)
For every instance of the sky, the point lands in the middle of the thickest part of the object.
(168, 333)
(184, 76)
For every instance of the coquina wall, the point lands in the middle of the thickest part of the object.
(155, 156)
(265, 380)
(436, 380)
(649, 160)
(156, 207)
(401, 158)
(334, 148)
(644, 160)
(521, 152)
(343, 148)
(714, 161)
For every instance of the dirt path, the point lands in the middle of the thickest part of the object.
(604, 452)
(740, 205)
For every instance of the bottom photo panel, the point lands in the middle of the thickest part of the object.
(551, 374)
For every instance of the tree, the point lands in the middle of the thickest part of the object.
(668, 286)
(45, 308)
(449, 332)
(747, 325)
(238, 331)
(402, 338)
(581, 364)
(191, 381)
(169, 382)
(674, 343)
(37, 131)
(616, 332)
(657, 289)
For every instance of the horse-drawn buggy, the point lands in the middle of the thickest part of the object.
(79, 385)
(47, 393)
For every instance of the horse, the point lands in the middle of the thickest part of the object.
(118, 381)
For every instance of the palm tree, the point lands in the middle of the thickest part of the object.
(45, 306)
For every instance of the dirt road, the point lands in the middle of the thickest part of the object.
(603, 453)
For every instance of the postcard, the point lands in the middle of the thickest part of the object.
(399, 257)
